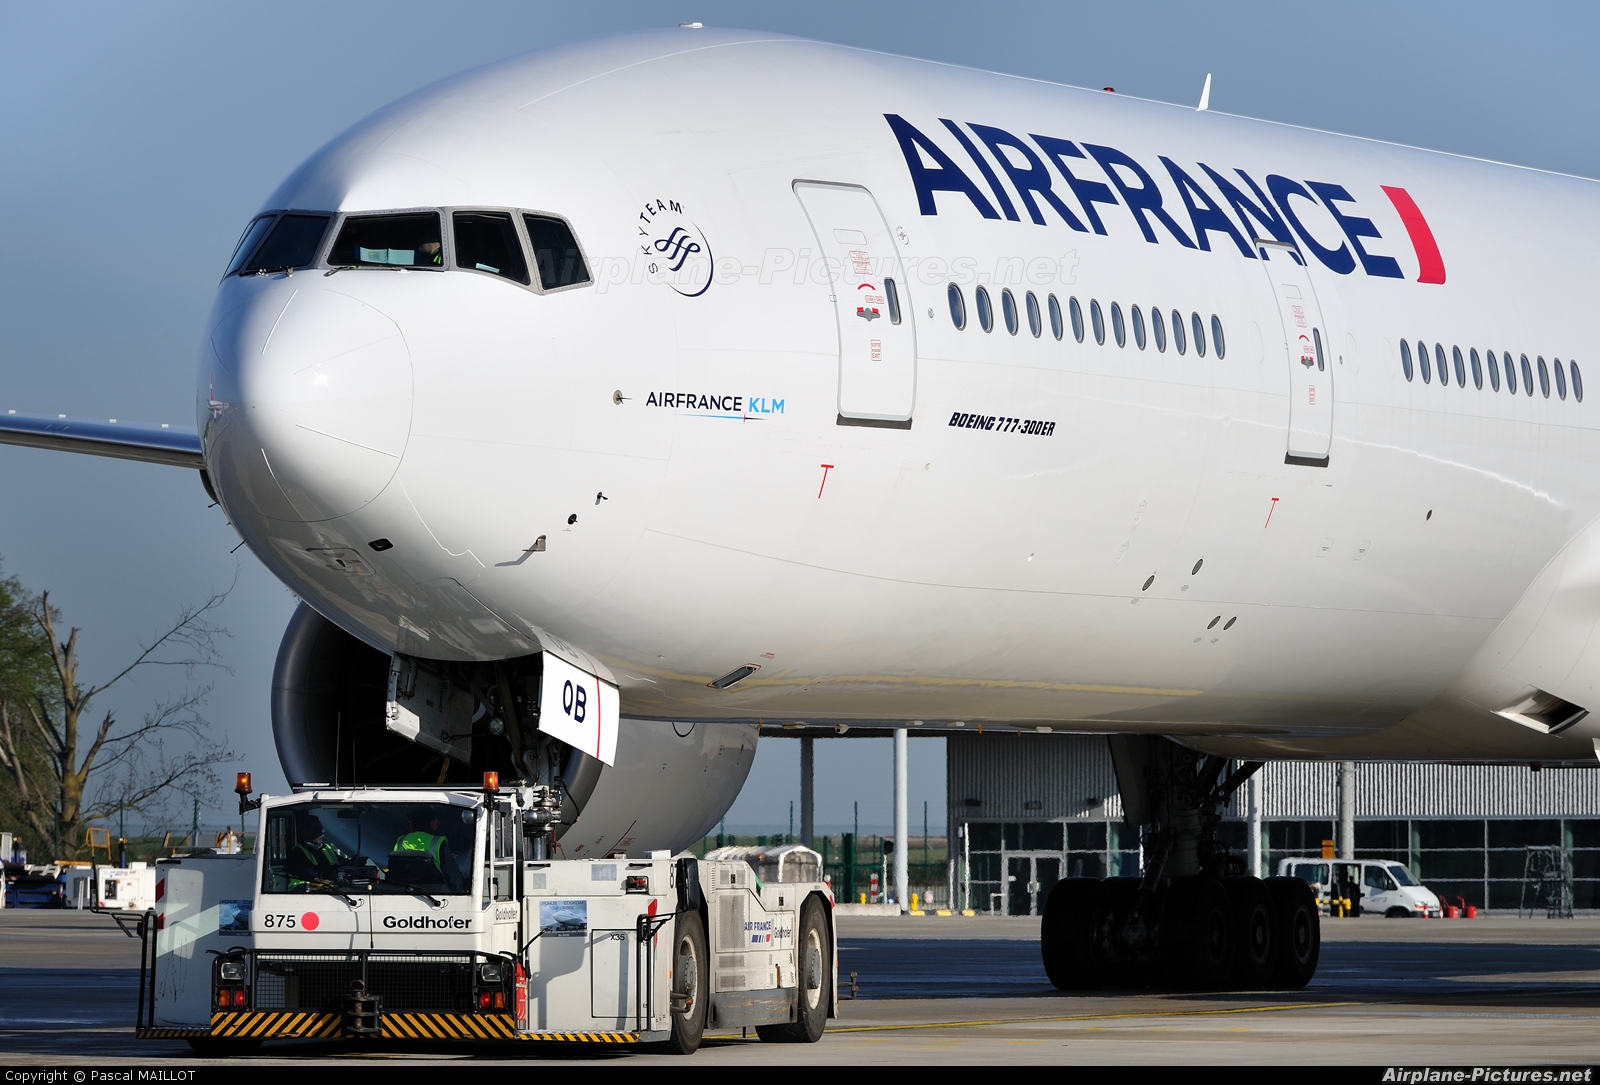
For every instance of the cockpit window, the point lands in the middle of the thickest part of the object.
(487, 241)
(555, 250)
(411, 240)
(247, 243)
(293, 242)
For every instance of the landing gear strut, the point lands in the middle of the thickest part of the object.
(1195, 919)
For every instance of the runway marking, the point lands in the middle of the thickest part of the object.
(1096, 1017)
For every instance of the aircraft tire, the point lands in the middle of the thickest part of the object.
(1116, 969)
(1255, 928)
(1299, 932)
(1196, 935)
(1065, 932)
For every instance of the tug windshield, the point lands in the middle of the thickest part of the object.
(389, 848)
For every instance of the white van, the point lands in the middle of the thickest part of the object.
(1386, 886)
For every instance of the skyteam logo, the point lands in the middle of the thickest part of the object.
(673, 248)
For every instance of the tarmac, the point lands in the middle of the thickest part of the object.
(1494, 991)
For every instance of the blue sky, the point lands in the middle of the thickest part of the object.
(139, 138)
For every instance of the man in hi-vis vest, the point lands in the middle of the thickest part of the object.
(422, 837)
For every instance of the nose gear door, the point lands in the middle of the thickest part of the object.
(1305, 348)
(872, 305)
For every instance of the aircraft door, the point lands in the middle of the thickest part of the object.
(1306, 349)
(872, 304)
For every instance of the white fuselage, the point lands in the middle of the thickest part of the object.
(691, 446)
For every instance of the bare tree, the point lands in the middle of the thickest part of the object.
(51, 757)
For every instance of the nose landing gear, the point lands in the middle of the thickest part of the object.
(1195, 920)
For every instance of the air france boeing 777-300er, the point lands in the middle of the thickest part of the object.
(610, 402)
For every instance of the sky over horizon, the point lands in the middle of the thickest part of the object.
(139, 140)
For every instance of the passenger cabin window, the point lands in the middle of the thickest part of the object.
(1493, 368)
(1424, 363)
(1544, 378)
(985, 310)
(1178, 343)
(1158, 328)
(1477, 369)
(1055, 317)
(1511, 373)
(1137, 316)
(1405, 359)
(1217, 341)
(1119, 331)
(1561, 379)
(1442, 365)
(555, 251)
(1577, 382)
(293, 242)
(1008, 305)
(487, 241)
(411, 240)
(1461, 373)
(891, 291)
(1098, 320)
(1200, 337)
(1077, 319)
(958, 306)
(1035, 323)
(1527, 376)
(248, 242)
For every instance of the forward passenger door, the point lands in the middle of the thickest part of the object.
(871, 303)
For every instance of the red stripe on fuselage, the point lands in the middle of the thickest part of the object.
(1432, 264)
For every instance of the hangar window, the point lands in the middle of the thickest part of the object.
(293, 242)
(1477, 369)
(1200, 336)
(1577, 382)
(1098, 320)
(1217, 341)
(1544, 378)
(1178, 343)
(958, 306)
(248, 241)
(1527, 376)
(1077, 318)
(1158, 329)
(555, 252)
(487, 241)
(1008, 308)
(1511, 373)
(1136, 315)
(1055, 317)
(1561, 379)
(1442, 364)
(1461, 372)
(985, 311)
(1405, 359)
(410, 240)
(1494, 370)
(1035, 324)
(1119, 331)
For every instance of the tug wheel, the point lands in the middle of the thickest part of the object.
(815, 950)
(690, 973)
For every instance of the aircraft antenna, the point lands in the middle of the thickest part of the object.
(1205, 95)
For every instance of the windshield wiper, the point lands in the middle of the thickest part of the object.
(418, 890)
(327, 887)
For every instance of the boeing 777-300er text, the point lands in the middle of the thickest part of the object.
(606, 403)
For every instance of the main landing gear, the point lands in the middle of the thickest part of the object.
(1195, 920)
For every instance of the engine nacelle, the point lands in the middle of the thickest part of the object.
(669, 785)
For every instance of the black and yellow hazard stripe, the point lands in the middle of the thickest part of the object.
(449, 1026)
(275, 1024)
(155, 1032)
(583, 1037)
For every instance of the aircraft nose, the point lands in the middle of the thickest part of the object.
(314, 406)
